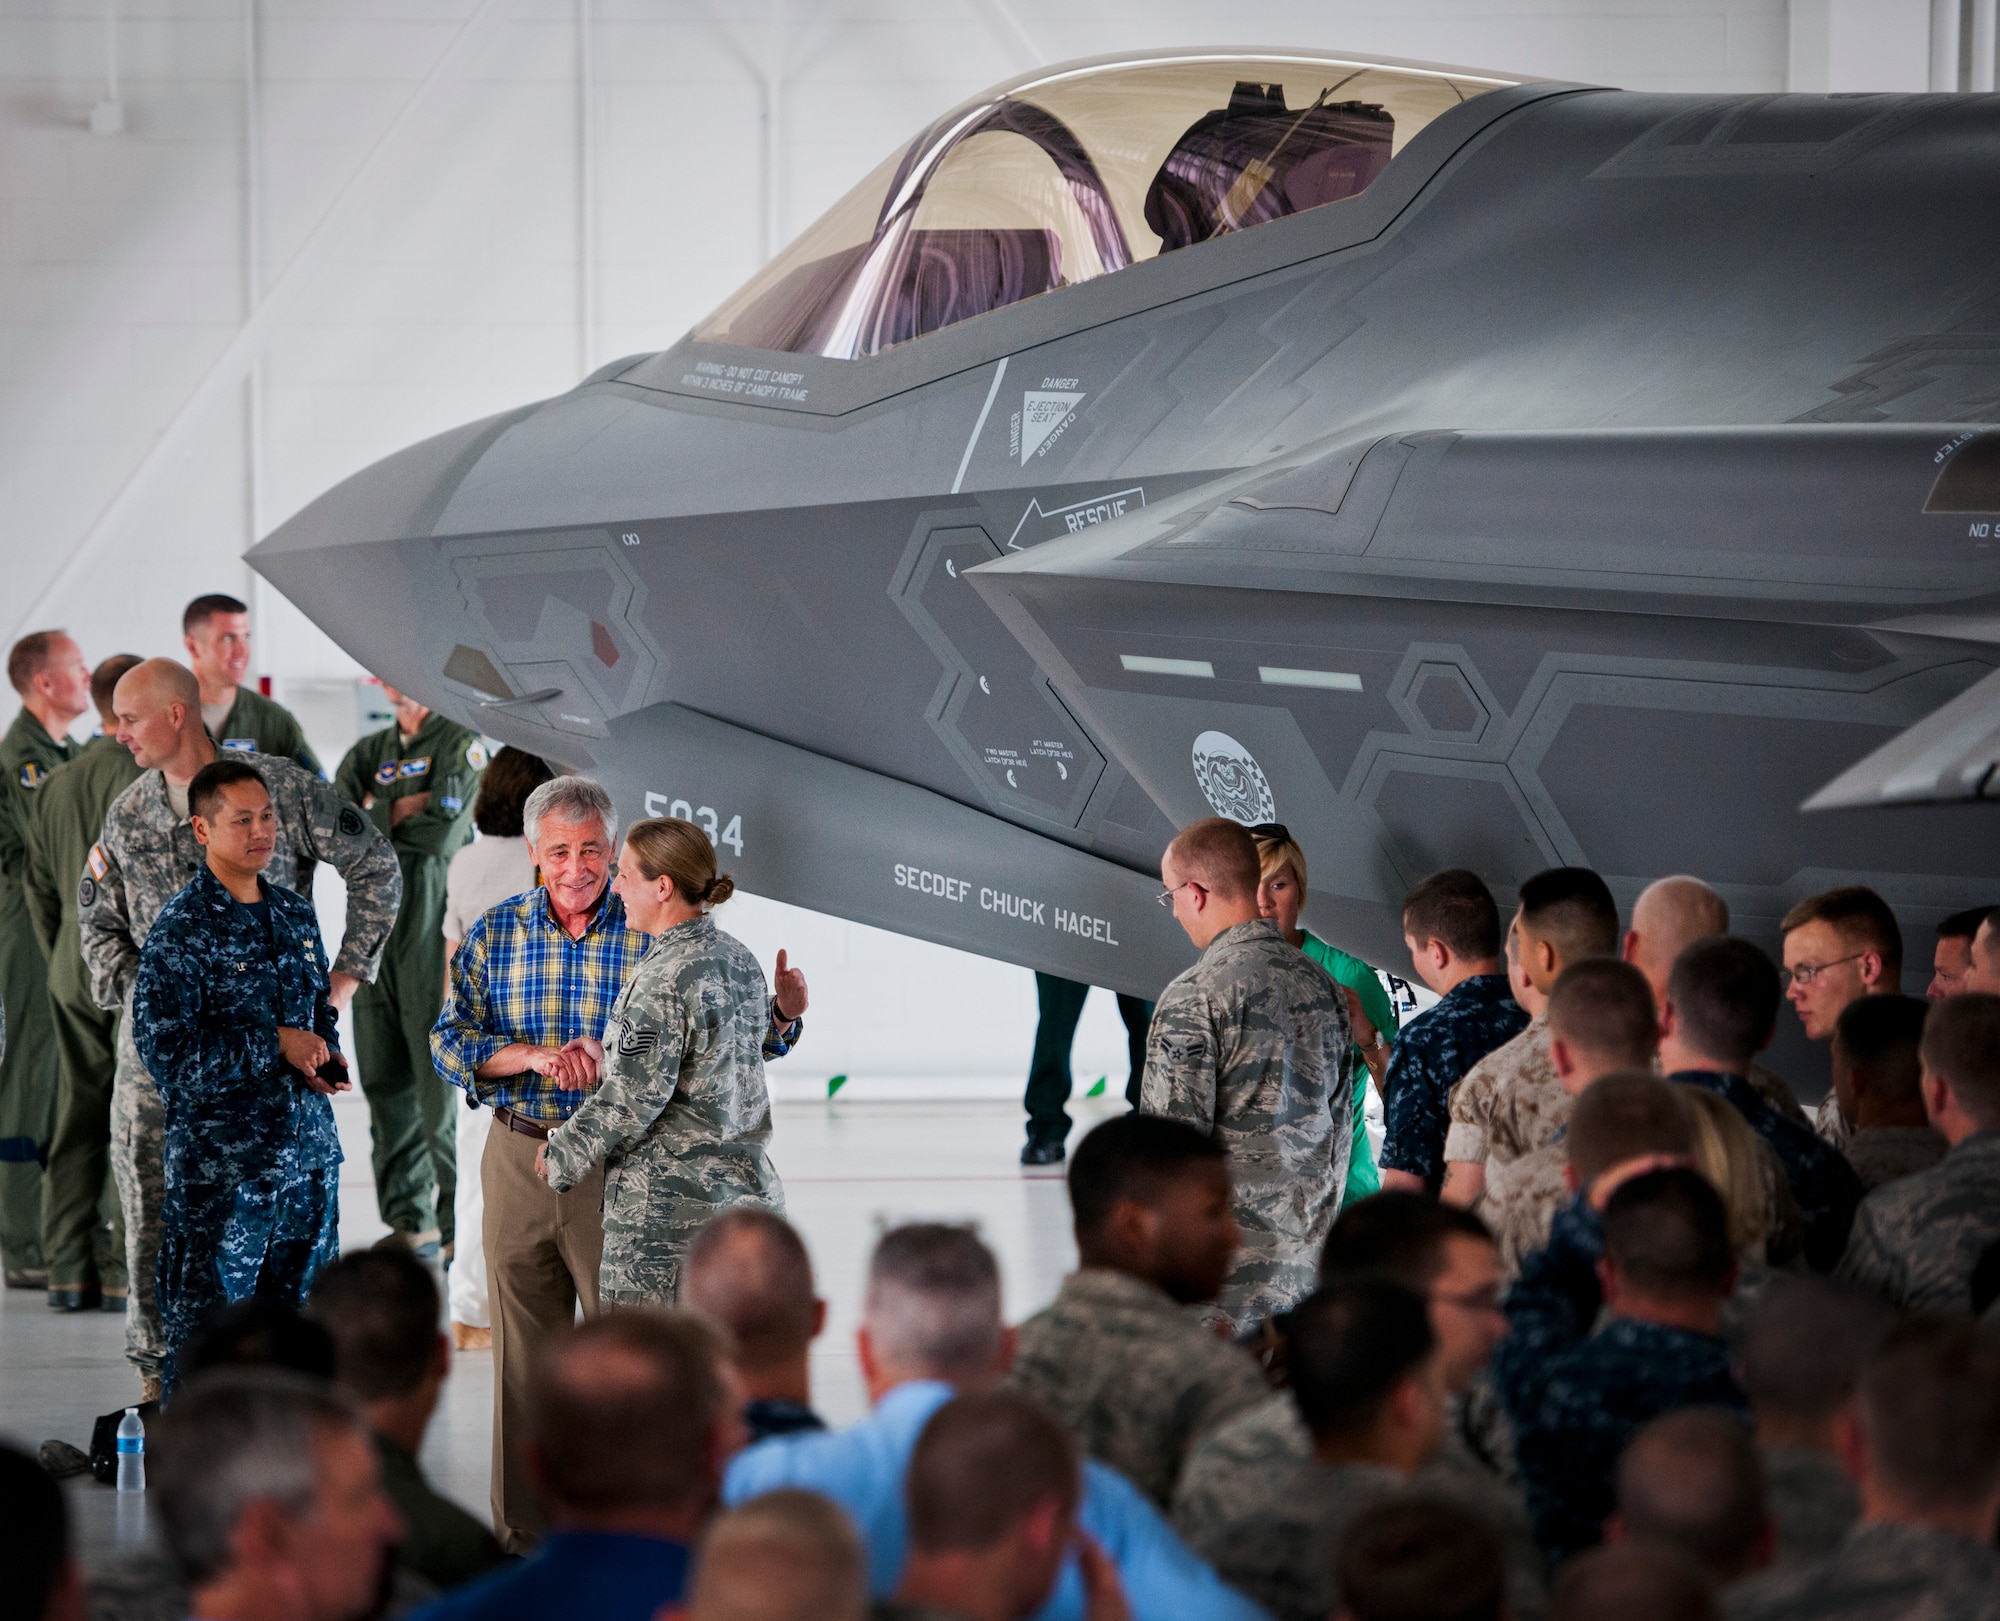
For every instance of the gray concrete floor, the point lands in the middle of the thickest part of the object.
(849, 1169)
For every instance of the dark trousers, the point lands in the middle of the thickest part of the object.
(83, 1229)
(1049, 1079)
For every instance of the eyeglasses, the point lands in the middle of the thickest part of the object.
(1807, 972)
(1166, 896)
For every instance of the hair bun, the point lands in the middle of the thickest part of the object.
(719, 889)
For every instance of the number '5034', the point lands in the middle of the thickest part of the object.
(704, 816)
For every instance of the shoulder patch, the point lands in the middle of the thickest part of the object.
(242, 745)
(415, 768)
(475, 755)
(632, 1043)
(349, 822)
(86, 893)
(97, 863)
(32, 775)
(385, 773)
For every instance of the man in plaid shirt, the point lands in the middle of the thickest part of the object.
(531, 990)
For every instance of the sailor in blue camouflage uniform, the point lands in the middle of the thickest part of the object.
(1452, 927)
(1576, 1398)
(231, 1015)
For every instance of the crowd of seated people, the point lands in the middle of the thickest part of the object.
(1632, 1335)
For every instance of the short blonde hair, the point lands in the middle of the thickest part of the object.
(1726, 1154)
(1279, 849)
(667, 847)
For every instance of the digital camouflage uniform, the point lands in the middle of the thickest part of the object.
(1521, 1199)
(1811, 1500)
(410, 1111)
(250, 1158)
(1135, 1377)
(1916, 1241)
(259, 725)
(28, 755)
(1433, 1053)
(83, 1231)
(1268, 1515)
(1880, 1572)
(1576, 1398)
(1256, 1465)
(1890, 1153)
(1507, 1113)
(1823, 1183)
(680, 1116)
(145, 856)
(1251, 1045)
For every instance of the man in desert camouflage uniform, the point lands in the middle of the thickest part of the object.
(1119, 1357)
(1252, 1045)
(1511, 1103)
(1917, 1240)
(1928, 1447)
(146, 856)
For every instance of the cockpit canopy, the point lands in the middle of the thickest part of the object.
(1072, 174)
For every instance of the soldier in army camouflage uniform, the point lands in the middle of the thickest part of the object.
(1928, 1444)
(147, 854)
(231, 1016)
(1252, 1044)
(216, 632)
(1120, 1357)
(83, 1230)
(46, 668)
(416, 779)
(681, 1118)
(1917, 1241)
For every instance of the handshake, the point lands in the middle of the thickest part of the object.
(572, 1067)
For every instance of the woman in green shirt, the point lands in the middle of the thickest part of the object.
(1280, 893)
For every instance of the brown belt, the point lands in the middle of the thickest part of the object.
(515, 1122)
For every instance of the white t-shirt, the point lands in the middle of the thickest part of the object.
(213, 715)
(486, 872)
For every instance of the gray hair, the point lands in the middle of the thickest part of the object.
(568, 799)
(231, 1438)
(933, 1301)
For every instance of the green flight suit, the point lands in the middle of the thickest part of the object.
(28, 1070)
(409, 1107)
(83, 1228)
(259, 725)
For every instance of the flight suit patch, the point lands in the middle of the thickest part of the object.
(242, 745)
(32, 775)
(475, 755)
(451, 802)
(385, 773)
(415, 768)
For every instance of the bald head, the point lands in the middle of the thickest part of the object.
(157, 706)
(1668, 917)
(748, 1272)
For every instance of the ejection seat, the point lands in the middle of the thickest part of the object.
(1258, 160)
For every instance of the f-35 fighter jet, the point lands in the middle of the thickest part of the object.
(1462, 469)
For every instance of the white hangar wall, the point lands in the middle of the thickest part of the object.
(314, 231)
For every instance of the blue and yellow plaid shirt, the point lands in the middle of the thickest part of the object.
(518, 977)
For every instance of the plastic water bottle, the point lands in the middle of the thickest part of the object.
(131, 1452)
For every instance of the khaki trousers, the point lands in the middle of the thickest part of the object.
(543, 1250)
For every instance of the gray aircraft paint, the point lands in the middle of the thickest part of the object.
(1585, 457)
